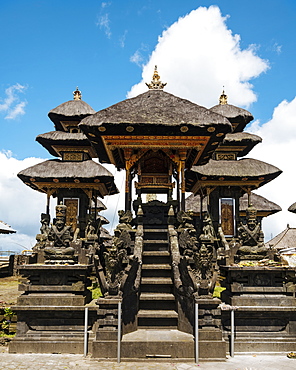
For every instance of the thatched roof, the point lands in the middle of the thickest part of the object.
(285, 239)
(244, 170)
(156, 107)
(263, 205)
(78, 172)
(73, 110)
(292, 208)
(237, 116)
(243, 140)
(52, 139)
(245, 167)
(6, 229)
(100, 205)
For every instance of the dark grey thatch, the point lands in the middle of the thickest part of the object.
(244, 140)
(237, 116)
(292, 208)
(55, 168)
(156, 107)
(241, 137)
(61, 138)
(6, 229)
(286, 239)
(72, 110)
(245, 167)
(262, 204)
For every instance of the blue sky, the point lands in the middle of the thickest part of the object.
(106, 48)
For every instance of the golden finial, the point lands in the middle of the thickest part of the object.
(77, 94)
(223, 98)
(156, 84)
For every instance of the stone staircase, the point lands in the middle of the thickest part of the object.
(157, 301)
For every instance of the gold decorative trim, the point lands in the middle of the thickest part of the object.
(130, 128)
(102, 128)
(184, 129)
(220, 134)
(211, 129)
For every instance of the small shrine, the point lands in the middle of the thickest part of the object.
(169, 255)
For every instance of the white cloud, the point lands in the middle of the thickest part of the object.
(137, 58)
(198, 55)
(278, 148)
(20, 206)
(103, 20)
(12, 105)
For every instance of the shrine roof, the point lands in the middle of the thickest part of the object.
(238, 117)
(242, 167)
(285, 239)
(156, 107)
(292, 208)
(244, 171)
(60, 138)
(55, 171)
(262, 204)
(5, 228)
(244, 140)
(72, 110)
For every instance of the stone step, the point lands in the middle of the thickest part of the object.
(156, 270)
(161, 314)
(159, 257)
(156, 266)
(156, 281)
(157, 296)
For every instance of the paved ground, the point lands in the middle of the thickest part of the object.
(78, 362)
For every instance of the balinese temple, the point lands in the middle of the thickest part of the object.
(74, 178)
(162, 273)
(227, 176)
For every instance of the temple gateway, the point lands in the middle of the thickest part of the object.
(177, 266)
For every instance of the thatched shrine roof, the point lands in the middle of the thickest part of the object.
(264, 206)
(57, 141)
(55, 173)
(156, 116)
(292, 208)
(246, 171)
(6, 229)
(238, 117)
(285, 239)
(72, 110)
(240, 142)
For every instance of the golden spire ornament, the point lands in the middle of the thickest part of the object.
(223, 98)
(156, 84)
(77, 94)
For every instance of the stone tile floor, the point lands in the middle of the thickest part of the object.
(78, 362)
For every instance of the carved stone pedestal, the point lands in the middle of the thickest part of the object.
(50, 310)
(212, 346)
(265, 307)
(105, 342)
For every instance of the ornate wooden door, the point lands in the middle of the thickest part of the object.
(72, 211)
(227, 216)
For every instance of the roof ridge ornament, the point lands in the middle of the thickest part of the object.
(223, 98)
(77, 94)
(156, 83)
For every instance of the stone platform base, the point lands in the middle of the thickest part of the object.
(161, 344)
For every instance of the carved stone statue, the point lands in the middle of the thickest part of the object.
(251, 237)
(59, 237)
(208, 232)
(44, 230)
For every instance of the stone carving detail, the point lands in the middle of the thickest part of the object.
(199, 254)
(115, 258)
(57, 248)
(44, 231)
(251, 237)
